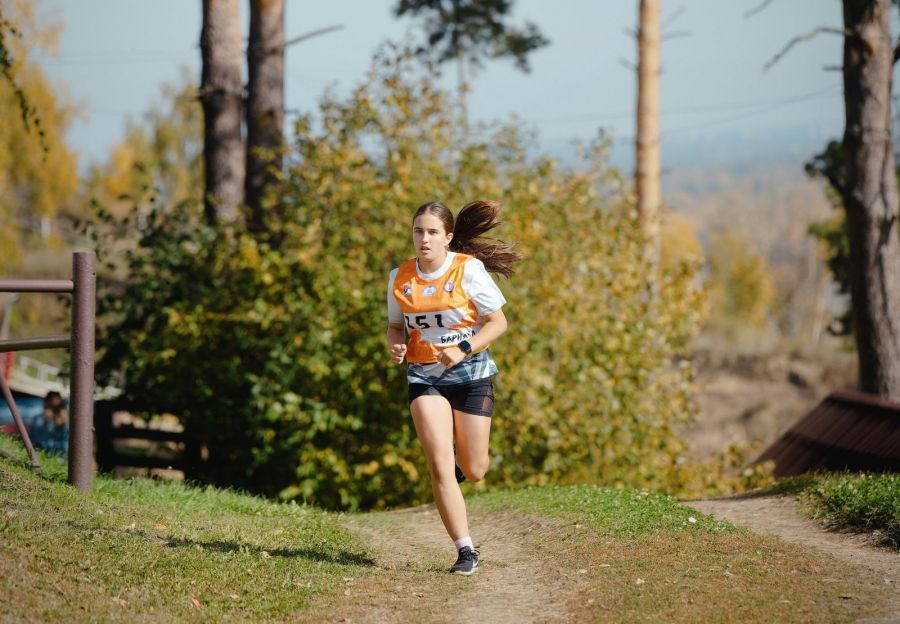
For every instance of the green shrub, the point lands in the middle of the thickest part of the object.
(867, 502)
(272, 348)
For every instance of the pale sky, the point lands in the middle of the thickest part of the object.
(115, 54)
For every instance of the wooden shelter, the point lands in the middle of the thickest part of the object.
(847, 431)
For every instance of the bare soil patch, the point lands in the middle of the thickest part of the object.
(782, 517)
(515, 582)
(539, 569)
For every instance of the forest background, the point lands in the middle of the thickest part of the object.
(267, 347)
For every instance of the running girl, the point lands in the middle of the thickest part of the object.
(451, 310)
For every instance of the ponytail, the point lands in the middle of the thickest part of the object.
(472, 222)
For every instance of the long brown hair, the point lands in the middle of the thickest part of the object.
(473, 221)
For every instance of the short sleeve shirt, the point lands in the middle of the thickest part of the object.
(437, 314)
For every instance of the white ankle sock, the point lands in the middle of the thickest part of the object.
(464, 541)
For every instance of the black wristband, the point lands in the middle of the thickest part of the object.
(465, 346)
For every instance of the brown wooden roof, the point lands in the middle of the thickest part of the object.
(848, 430)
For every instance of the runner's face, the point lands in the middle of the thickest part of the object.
(429, 237)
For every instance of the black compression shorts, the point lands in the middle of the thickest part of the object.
(475, 397)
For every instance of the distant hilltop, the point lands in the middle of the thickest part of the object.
(739, 151)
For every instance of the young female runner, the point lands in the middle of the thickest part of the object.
(451, 310)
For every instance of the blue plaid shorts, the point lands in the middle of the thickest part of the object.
(473, 368)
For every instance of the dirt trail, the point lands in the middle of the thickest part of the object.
(781, 516)
(412, 549)
(519, 582)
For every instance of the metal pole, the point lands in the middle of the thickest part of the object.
(81, 399)
(36, 286)
(7, 394)
(31, 344)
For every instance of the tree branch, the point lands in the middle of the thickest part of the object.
(800, 39)
(303, 37)
(311, 34)
(761, 7)
(835, 184)
(675, 34)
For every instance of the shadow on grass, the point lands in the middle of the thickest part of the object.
(342, 557)
(782, 487)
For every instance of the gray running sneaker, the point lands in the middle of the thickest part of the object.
(466, 563)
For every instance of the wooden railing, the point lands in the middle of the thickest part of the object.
(185, 458)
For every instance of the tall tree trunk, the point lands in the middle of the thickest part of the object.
(265, 102)
(870, 196)
(647, 158)
(220, 94)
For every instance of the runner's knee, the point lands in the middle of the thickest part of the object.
(475, 470)
(442, 469)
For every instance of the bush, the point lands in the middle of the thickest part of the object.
(867, 502)
(272, 347)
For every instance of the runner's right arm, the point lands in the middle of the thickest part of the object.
(396, 332)
(396, 338)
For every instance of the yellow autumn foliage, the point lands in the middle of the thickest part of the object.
(282, 366)
(38, 171)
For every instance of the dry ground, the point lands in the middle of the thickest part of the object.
(782, 516)
(539, 569)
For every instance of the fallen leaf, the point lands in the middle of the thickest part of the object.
(692, 519)
(590, 601)
(195, 602)
(582, 571)
(265, 554)
(234, 597)
(604, 565)
(119, 602)
(346, 592)
(639, 581)
(160, 527)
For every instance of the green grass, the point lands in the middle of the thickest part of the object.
(149, 550)
(862, 502)
(854, 501)
(142, 550)
(608, 511)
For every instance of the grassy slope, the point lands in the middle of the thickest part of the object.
(649, 558)
(854, 501)
(138, 550)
